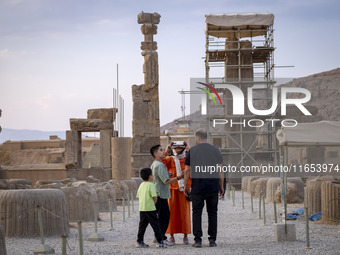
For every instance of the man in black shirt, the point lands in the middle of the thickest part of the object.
(204, 166)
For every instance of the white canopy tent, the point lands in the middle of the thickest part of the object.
(322, 133)
(248, 24)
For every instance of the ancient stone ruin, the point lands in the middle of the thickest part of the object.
(145, 124)
(98, 120)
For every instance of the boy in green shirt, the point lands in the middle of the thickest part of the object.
(162, 183)
(147, 198)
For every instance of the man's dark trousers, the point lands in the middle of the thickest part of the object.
(211, 200)
(162, 208)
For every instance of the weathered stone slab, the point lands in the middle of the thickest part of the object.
(102, 114)
(90, 125)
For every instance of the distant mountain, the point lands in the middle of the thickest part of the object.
(26, 134)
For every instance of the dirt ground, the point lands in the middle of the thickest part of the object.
(239, 232)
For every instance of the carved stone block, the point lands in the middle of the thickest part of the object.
(90, 125)
(102, 114)
(149, 29)
(143, 18)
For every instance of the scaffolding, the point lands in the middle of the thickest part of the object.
(240, 52)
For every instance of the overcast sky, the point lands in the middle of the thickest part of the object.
(58, 58)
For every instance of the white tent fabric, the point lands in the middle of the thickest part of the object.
(219, 25)
(325, 133)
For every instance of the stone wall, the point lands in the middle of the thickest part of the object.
(33, 174)
(25, 145)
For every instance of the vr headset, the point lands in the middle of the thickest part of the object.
(178, 144)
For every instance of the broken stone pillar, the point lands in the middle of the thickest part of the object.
(73, 157)
(149, 23)
(121, 158)
(105, 148)
(145, 123)
(330, 197)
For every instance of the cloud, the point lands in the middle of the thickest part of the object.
(40, 105)
(103, 22)
(124, 23)
(5, 53)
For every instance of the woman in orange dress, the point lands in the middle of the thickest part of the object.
(179, 206)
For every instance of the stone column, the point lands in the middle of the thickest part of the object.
(73, 158)
(149, 23)
(105, 148)
(145, 123)
(121, 158)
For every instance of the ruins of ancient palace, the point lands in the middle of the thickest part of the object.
(74, 180)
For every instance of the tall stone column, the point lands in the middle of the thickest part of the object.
(149, 23)
(145, 123)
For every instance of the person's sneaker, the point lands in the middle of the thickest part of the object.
(212, 243)
(141, 245)
(161, 244)
(172, 239)
(185, 240)
(197, 245)
(168, 243)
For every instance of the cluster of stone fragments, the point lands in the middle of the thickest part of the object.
(61, 201)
